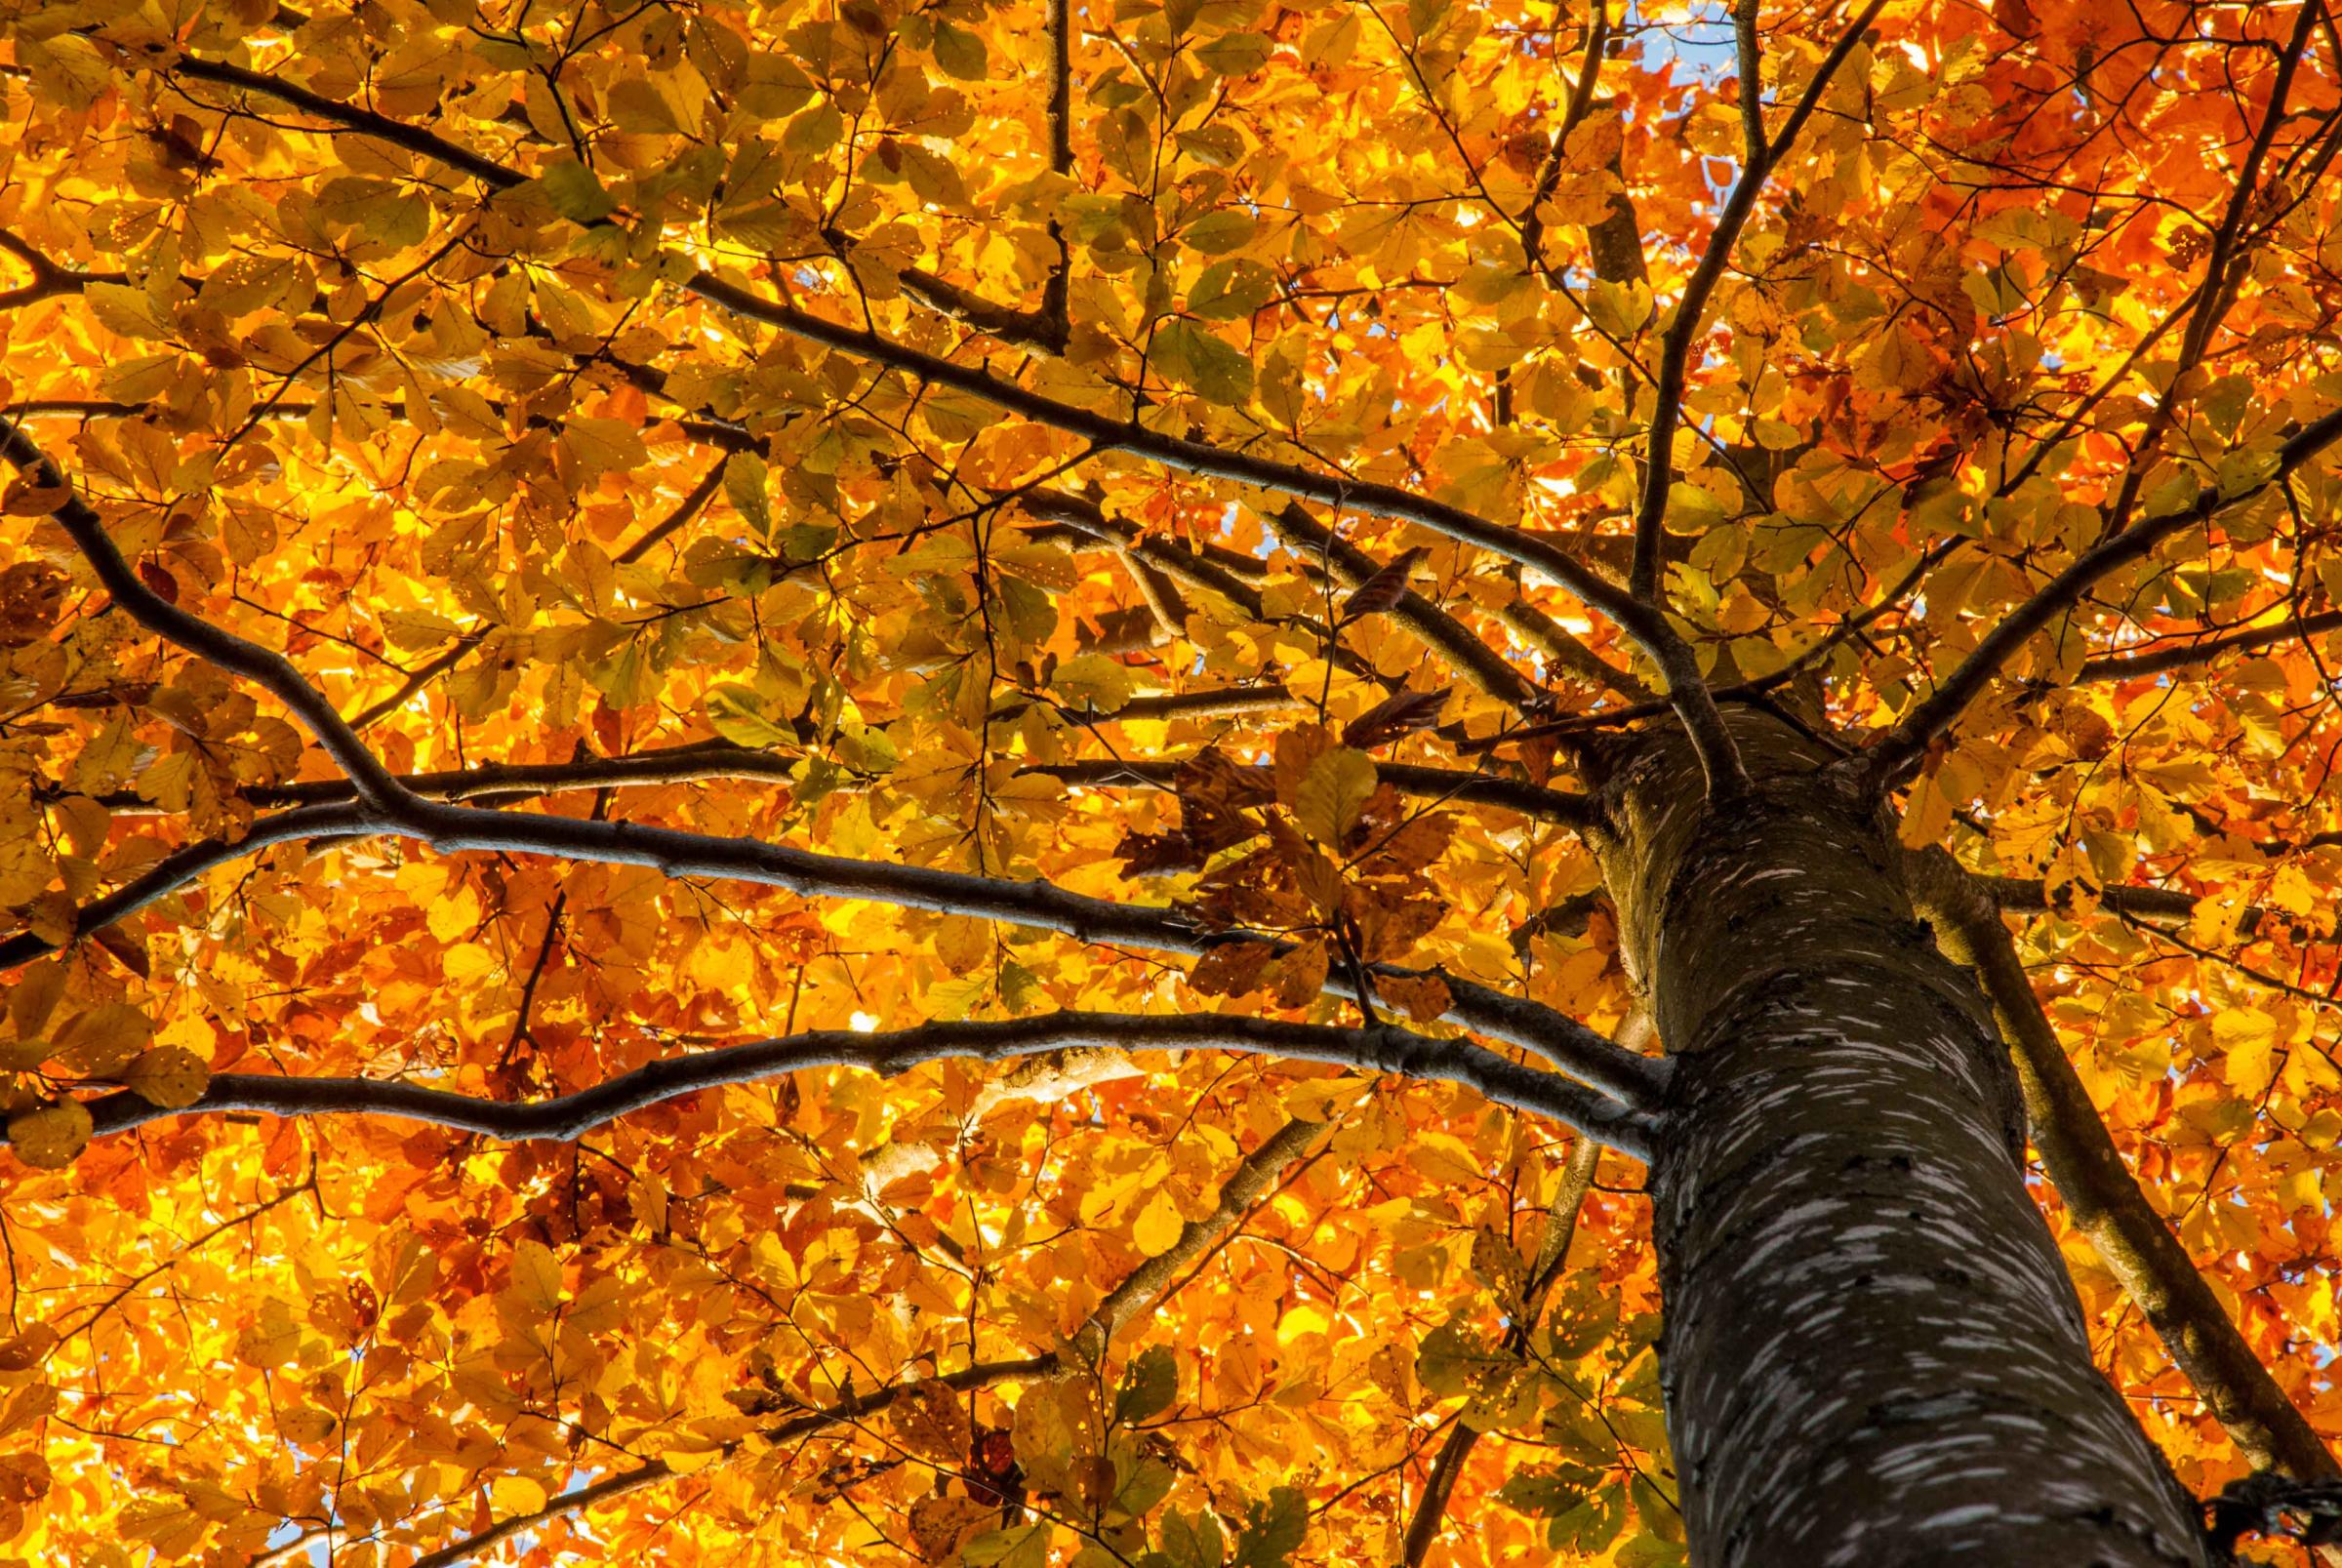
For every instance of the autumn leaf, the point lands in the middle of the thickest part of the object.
(50, 1135)
(882, 745)
(170, 1075)
(1332, 795)
(1384, 589)
(1158, 1224)
(1424, 999)
(1150, 1385)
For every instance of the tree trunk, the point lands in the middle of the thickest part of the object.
(1872, 1354)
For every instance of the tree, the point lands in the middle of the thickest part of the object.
(1028, 783)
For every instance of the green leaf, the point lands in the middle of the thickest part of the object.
(816, 131)
(1093, 681)
(1227, 229)
(1548, 1493)
(1229, 289)
(1149, 1384)
(1660, 1516)
(1590, 1527)
(1149, 1482)
(576, 192)
(1214, 368)
(1651, 1552)
(1024, 1547)
(1273, 1531)
(961, 52)
(51, 1132)
(737, 714)
(745, 478)
(1192, 1539)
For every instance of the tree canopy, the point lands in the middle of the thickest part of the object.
(803, 780)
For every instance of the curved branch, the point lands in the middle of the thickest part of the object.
(1570, 1045)
(272, 671)
(1674, 351)
(1892, 758)
(2161, 661)
(2103, 1201)
(1106, 432)
(1552, 1256)
(1253, 1180)
(1434, 783)
(1383, 1048)
(182, 866)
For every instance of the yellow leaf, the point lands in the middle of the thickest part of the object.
(2247, 1040)
(125, 311)
(516, 1494)
(537, 1276)
(1158, 1226)
(1332, 793)
(1093, 681)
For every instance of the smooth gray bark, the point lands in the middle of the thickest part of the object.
(1874, 1354)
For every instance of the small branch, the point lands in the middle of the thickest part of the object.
(49, 279)
(498, 781)
(431, 669)
(1675, 352)
(1581, 100)
(1036, 330)
(1425, 783)
(2103, 1201)
(1893, 758)
(1470, 655)
(1251, 1183)
(2030, 894)
(1048, 329)
(1752, 83)
(1383, 1048)
(684, 511)
(1526, 619)
(1552, 1256)
(2214, 299)
(1210, 702)
(272, 671)
(2162, 660)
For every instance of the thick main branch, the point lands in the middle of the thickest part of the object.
(2103, 1201)
(1382, 1048)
